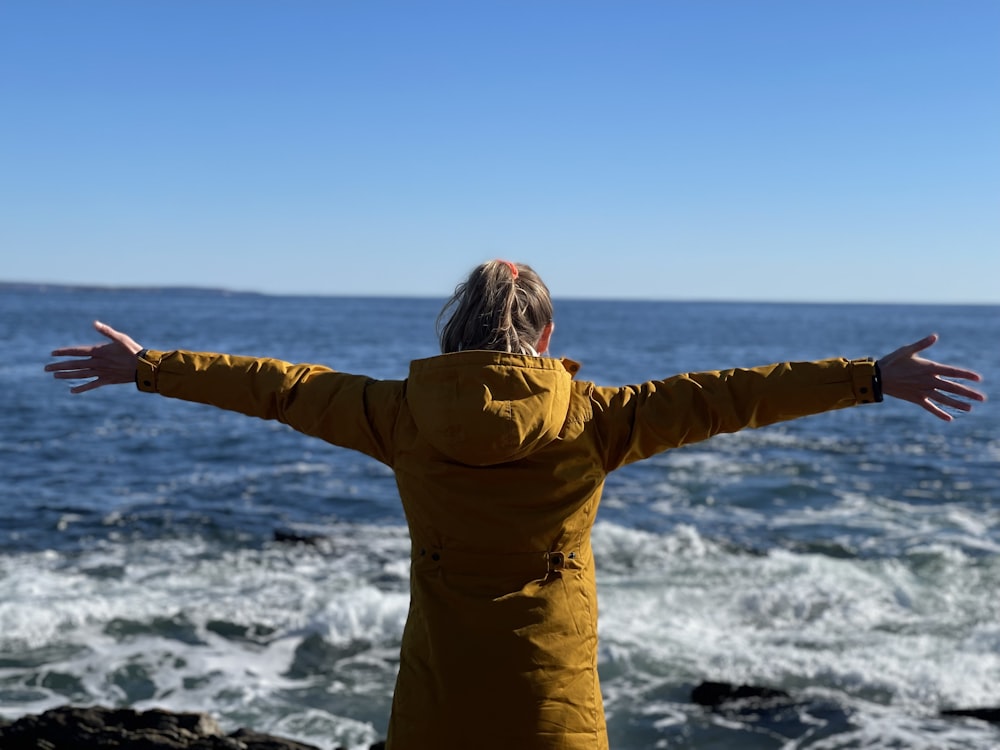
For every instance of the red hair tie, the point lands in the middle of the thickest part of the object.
(511, 266)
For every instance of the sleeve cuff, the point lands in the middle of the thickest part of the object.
(867, 381)
(146, 366)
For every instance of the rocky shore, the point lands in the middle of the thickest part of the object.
(720, 695)
(80, 728)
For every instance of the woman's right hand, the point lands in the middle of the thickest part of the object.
(108, 364)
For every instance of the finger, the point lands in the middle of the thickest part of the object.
(954, 403)
(960, 389)
(68, 364)
(936, 410)
(88, 373)
(87, 386)
(947, 371)
(75, 351)
(76, 374)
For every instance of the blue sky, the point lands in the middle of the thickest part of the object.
(757, 150)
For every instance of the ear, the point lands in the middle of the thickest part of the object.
(543, 341)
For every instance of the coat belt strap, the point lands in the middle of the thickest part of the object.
(535, 564)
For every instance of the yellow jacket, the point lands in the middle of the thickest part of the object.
(500, 460)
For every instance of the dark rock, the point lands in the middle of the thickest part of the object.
(315, 656)
(81, 728)
(235, 632)
(991, 715)
(293, 537)
(719, 693)
(258, 741)
(76, 727)
(177, 628)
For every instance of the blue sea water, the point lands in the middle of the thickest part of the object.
(851, 559)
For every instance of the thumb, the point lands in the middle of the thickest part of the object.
(909, 350)
(107, 331)
(918, 346)
(118, 337)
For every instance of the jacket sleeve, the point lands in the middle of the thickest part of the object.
(635, 422)
(351, 411)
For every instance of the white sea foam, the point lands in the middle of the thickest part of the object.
(176, 624)
(302, 640)
(863, 633)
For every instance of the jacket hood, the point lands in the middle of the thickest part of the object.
(482, 407)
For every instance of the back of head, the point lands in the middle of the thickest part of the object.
(502, 307)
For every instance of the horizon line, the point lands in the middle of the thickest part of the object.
(194, 288)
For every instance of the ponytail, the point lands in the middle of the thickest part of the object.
(502, 307)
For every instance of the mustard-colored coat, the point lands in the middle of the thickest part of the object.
(500, 460)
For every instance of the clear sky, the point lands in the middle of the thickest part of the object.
(834, 150)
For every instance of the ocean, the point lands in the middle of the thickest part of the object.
(851, 559)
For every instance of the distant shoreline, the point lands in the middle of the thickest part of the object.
(44, 286)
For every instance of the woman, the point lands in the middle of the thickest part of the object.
(500, 456)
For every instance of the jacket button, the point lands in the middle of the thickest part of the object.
(435, 557)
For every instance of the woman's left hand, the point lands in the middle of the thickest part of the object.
(909, 377)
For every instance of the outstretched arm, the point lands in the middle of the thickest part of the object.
(352, 411)
(636, 422)
(107, 364)
(910, 377)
